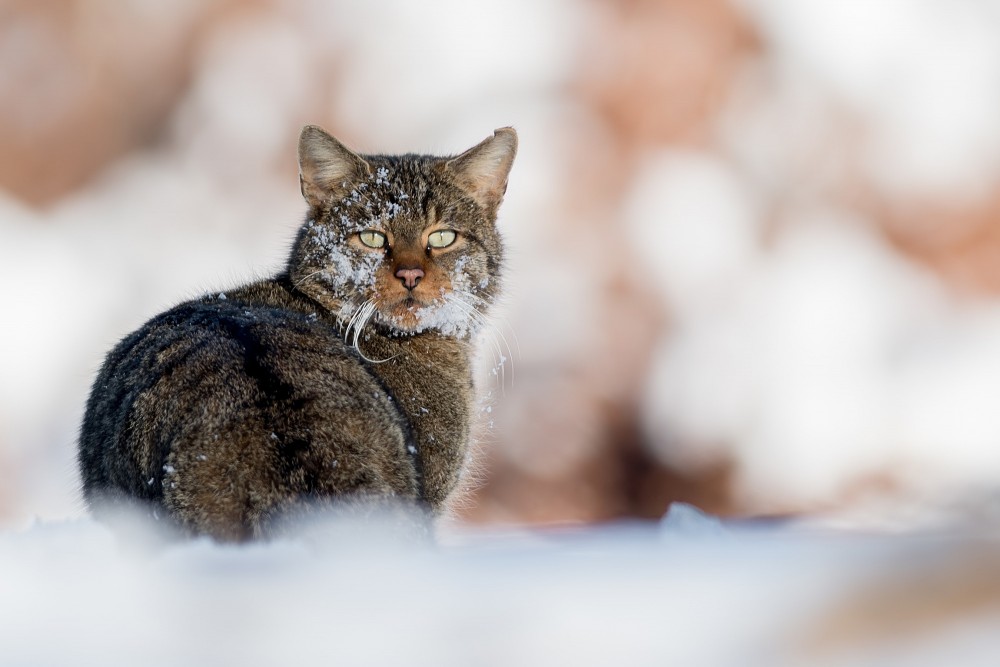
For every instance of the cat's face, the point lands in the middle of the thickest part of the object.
(409, 242)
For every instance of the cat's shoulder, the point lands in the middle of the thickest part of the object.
(255, 315)
(266, 301)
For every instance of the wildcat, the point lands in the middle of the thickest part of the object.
(347, 375)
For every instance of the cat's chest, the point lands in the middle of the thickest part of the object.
(430, 381)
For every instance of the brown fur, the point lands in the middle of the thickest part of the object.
(232, 411)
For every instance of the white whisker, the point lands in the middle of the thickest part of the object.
(507, 324)
(476, 316)
(307, 277)
(366, 311)
(496, 329)
(354, 318)
(364, 315)
(484, 322)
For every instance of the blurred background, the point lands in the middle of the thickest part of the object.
(754, 244)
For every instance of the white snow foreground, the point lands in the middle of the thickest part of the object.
(690, 591)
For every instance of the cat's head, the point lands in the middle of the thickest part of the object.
(409, 241)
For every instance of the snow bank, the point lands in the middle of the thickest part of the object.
(74, 594)
(918, 72)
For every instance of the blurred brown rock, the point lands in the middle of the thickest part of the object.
(82, 83)
(959, 243)
(661, 69)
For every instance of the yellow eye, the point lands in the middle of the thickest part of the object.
(441, 239)
(372, 239)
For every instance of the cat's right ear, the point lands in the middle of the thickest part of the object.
(326, 166)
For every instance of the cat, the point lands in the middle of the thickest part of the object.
(347, 375)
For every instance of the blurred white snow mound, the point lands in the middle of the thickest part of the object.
(74, 593)
(685, 520)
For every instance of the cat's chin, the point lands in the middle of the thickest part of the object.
(405, 315)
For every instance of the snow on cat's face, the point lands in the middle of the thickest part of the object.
(404, 246)
(417, 268)
(408, 242)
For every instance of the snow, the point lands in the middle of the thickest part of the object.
(434, 63)
(804, 345)
(920, 72)
(682, 519)
(693, 221)
(823, 357)
(347, 269)
(691, 591)
(455, 312)
(447, 315)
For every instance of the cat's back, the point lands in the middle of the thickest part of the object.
(225, 409)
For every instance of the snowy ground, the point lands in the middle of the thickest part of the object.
(689, 591)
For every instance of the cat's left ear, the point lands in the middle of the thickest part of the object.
(482, 170)
(326, 166)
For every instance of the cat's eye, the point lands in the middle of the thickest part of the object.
(372, 239)
(441, 239)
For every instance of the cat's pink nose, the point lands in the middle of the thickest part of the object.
(410, 277)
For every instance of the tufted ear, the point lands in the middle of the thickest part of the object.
(482, 170)
(326, 166)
